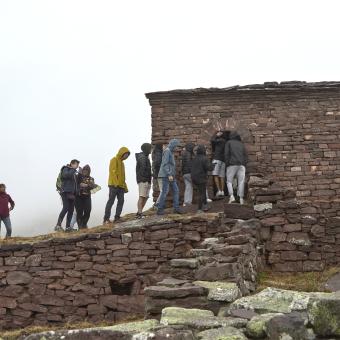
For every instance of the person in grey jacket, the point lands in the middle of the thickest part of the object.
(187, 157)
(167, 172)
(235, 155)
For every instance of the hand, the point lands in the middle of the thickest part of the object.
(171, 178)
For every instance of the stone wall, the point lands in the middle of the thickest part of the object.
(291, 130)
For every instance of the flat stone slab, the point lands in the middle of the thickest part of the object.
(333, 283)
(184, 263)
(220, 291)
(174, 292)
(223, 333)
(172, 282)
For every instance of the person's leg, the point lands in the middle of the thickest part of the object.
(79, 211)
(74, 220)
(175, 194)
(63, 210)
(222, 177)
(231, 171)
(8, 226)
(70, 213)
(110, 202)
(241, 175)
(188, 189)
(140, 204)
(164, 193)
(87, 210)
(200, 196)
(120, 203)
(217, 183)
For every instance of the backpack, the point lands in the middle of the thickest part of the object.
(59, 182)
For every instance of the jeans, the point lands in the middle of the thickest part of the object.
(160, 187)
(113, 193)
(8, 225)
(188, 189)
(165, 190)
(68, 208)
(202, 194)
(83, 208)
(240, 172)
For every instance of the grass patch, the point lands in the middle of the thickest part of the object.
(305, 282)
(15, 334)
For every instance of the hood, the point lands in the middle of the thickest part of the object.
(234, 135)
(88, 168)
(146, 148)
(201, 150)
(123, 150)
(190, 147)
(173, 144)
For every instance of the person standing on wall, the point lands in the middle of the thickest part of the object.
(236, 160)
(167, 173)
(218, 144)
(199, 173)
(117, 185)
(6, 205)
(83, 199)
(67, 185)
(187, 156)
(156, 164)
(144, 176)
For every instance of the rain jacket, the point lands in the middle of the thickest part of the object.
(117, 170)
(187, 157)
(86, 180)
(218, 144)
(143, 166)
(168, 166)
(69, 180)
(235, 152)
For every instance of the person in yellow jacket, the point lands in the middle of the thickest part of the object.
(117, 185)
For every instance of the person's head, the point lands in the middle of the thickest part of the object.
(173, 144)
(190, 147)
(123, 153)
(146, 148)
(234, 135)
(86, 171)
(2, 188)
(74, 164)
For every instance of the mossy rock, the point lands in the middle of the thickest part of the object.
(256, 326)
(223, 333)
(220, 290)
(135, 327)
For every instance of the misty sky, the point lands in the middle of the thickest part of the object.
(73, 76)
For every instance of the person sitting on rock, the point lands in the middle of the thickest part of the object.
(144, 176)
(6, 205)
(199, 174)
(167, 172)
(236, 158)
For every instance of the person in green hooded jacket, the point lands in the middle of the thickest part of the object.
(117, 184)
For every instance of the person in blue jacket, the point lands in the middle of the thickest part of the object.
(167, 173)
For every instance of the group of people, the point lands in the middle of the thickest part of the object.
(75, 184)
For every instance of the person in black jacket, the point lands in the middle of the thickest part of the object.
(236, 160)
(199, 174)
(143, 174)
(69, 190)
(187, 157)
(83, 202)
(218, 144)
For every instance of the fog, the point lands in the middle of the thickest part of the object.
(73, 76)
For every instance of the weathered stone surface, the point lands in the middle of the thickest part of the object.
(263, 207)
(184, 263)
(273, 221)
(333, 283)
(221, 291)
(172, 282)
(18, 277)
(301, 239)
(236, 211)
(7, 302)
(174, 292)
(33, 260)
(256, 326)
(223, 333)
(219, 272)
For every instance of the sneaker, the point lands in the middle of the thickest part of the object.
(139, 216)
(70, 230)
(209, 200)
(231, 199)
(58, 228)
(107, 222)
(178, 211)
(241, 201)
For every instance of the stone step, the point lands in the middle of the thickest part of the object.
(185, 263)
(220, 290)
(175, 292)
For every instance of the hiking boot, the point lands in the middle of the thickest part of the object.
(58, 228)
(231, 199)
(178, 211)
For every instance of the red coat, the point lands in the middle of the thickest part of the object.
(5, 201)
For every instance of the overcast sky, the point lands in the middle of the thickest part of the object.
(73, 76)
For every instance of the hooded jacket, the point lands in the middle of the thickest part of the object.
(157, 159)
(69, 180)
(143, 166)
(217, 144)
(200, 166)
(235, 152)
(86, 180)
(117, 170)
(168, 165)
(187, 157)
(5, 201)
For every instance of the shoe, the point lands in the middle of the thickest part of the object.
(241, 201)
(184, 205)
(117, 219)
(209, 200)
(107, 222)
(58, 228)
(199, 212)
(160, 212)
(70, 230)
(139, 216)
(221, 193)
(178, 211)
(231, 199)
(205, 208)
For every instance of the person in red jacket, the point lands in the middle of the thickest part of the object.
(6, 205)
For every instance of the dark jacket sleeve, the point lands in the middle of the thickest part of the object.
(156, 163)
(67, 173)
(11, 202)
